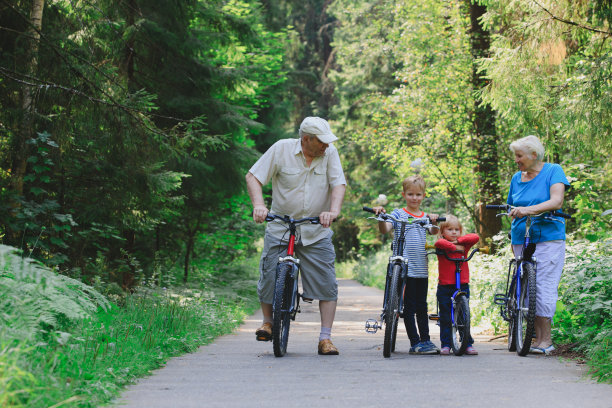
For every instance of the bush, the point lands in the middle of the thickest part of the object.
(584, 317)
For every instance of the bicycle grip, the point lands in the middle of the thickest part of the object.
(561, 214)
(484, 250)
(368, 209)
(441, 219)
(496, 207)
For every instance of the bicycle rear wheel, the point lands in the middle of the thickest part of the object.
(461, 324)
(392, 312)
(283, 293)
(525, 316)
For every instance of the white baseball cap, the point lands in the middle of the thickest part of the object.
(313, 125)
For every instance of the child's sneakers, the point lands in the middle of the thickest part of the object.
(471, 351)
(445, 351)
(424, 347)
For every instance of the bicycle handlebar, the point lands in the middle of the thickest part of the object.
(386, 217)
(508, 207)
(288, 220)
(462, 259)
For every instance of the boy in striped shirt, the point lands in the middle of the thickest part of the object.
(415, 297)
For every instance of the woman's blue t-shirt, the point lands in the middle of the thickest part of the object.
(532, 192)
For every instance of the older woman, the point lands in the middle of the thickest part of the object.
(536, 188)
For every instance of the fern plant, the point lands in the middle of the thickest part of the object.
(34, 297)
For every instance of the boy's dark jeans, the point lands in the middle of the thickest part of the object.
(415, 303)
(444, 294)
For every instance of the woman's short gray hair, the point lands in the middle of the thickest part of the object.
(529, 144)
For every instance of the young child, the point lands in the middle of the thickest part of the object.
(452, 241)
(415, 297)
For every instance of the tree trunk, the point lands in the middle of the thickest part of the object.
(188, 251)
(485, 138)
(127, 65)
(20, 149)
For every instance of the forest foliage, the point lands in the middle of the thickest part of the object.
(126, 129)
(133, 125)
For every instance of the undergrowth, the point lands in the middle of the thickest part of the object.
(83, 352)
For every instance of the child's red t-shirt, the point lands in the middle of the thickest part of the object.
(446, 268)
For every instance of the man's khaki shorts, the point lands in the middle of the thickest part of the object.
(317, 272)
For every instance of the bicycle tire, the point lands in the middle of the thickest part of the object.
(280, 313)
(511, 312)
(526, 309)
(400, 299)
(392, 312)
(460, 324)
(394, 335)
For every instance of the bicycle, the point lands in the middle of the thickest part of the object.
(518, 302)
(395, 282)
(286, 303)
(460, 306)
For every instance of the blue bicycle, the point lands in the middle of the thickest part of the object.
(518, 303)
(460, 306)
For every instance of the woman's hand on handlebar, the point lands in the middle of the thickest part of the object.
(519, 212)
(260, 212)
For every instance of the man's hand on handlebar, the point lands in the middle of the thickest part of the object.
(260, 212)
(326, 218)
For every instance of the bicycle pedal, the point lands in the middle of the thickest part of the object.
(372, 326)
(500, 299)
(434, 316)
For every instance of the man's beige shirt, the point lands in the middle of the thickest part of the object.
(298, 190)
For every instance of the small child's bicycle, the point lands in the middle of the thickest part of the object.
(286, 303)
(518, 302)
(460, 306)
(395, 283)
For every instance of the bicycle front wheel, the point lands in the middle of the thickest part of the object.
(461, 324)
(392, 312)
(283, 293)
(525, 313)
(511, 311)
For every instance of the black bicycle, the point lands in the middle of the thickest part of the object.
(460, 306)
(518, 303)
(395, 282)
(286, 303)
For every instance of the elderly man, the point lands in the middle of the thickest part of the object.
(307, 181)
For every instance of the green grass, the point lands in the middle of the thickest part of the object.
(85, 360)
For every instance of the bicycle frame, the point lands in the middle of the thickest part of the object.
(295, 271)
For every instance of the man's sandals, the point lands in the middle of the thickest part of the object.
(264, 333)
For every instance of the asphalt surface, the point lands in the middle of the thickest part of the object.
(237, 371)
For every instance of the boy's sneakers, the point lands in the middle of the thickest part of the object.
(424, 347)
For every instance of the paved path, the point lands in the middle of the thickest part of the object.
(237, 371)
